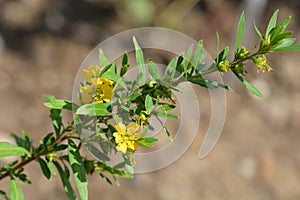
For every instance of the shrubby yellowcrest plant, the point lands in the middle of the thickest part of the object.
(104, 90)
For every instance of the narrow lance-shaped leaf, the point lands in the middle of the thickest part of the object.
(53, 103)
(140, 59)
(15, 190)
(93, 109)
(165, 128)
(295, 47)
(78, 170)
(153, 70)
(56, 118)
(217, 46)
(102, 58)
(240, 32)
(249, 86)
(64, 176)
(257, 31)
(272, 23)
(7, 149)
(148, 104)
(125, 64)
(97, 153)
(46, 171)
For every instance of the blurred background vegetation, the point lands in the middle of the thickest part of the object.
(43, 42)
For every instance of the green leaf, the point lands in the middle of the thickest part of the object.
(15, 190)
(167, 115)
(148, 104)
(130, 168)
(295, 47)
(111, 67)
(7, 149)
(56, 118)
(78, 170)
(147, 142)
(125, 59)
(272, 23)
(93, 109)
(140, 59)
(153, 70)
(217, 46)
(64, 176)
(179, 67)
(105, 178)
(284, 43)
(53, 103)
(51, 168)
(222, 55)
(165, 128)
(98, 154)
(102, 59)
(112, 75)
(257, 31)
(210, 84)
(199, 55)
(24, 141)
(281, 37)
(3, 194)
(171, 69)
(44, 167)
(285, 22)
(48, 139)
(240, 32)
(249, 86)
(125, 64)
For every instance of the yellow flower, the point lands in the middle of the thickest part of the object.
(93, 71)
(261, 63)
(103, 89)
(100, 90)
(86, 94)
(126, 137)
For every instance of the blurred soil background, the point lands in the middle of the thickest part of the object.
(43, 43)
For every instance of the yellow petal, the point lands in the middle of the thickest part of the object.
(86, 89)
(122, 147)
(86, 98)
(121, 128)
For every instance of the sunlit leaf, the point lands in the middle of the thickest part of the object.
(272, 23)
(148, 104)
(153, 70)
(15, 190)
(7, 149)
(295, 47)
(64, 176)
(53, 103)
(93, 109)
(102, 58)
(78, 170)
(249, 86)
(240, 32)
(140, 59)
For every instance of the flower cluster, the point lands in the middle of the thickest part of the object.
(126, 138)
(97, 89)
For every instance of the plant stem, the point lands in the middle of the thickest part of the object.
(66, 133)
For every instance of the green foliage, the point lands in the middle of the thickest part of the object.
(93, 109)
(7, 149)
(120, 117)
(240, 32)
(78, 169)
(15, 190)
